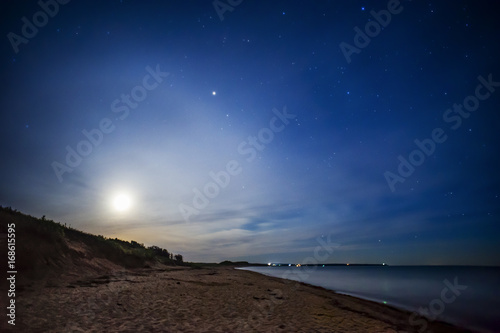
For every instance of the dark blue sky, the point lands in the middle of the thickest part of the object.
(263, 135)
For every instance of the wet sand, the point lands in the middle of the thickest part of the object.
(183, 299)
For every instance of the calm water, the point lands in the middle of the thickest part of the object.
(471, 298)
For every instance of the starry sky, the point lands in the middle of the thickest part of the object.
(258, 130)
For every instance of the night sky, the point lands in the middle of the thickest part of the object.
(258, 130)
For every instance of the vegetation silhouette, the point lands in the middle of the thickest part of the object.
(41, 243)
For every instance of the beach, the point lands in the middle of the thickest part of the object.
(184, 299)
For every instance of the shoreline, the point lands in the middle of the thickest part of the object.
(412, 299)
(219, 299)
(373, 304)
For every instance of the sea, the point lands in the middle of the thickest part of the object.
(467, 296)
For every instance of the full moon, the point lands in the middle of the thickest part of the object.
(122, 202)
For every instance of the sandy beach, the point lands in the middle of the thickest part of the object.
(180, 299)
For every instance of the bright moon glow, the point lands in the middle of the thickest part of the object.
(214, 93)
(122, 202)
